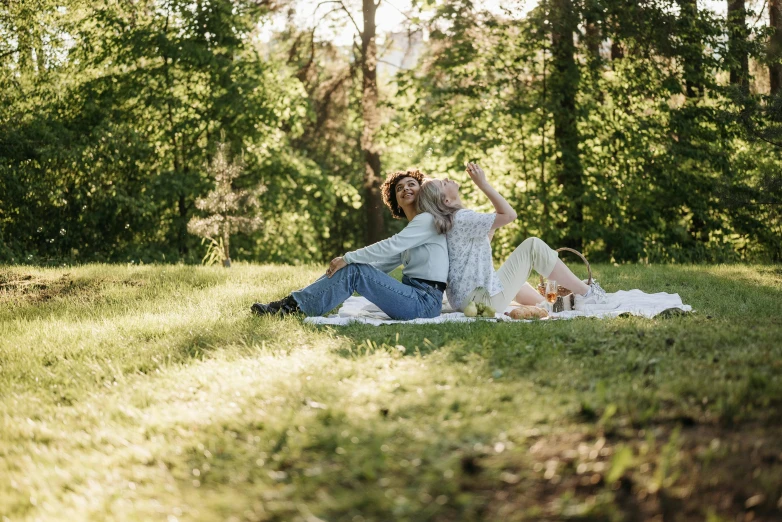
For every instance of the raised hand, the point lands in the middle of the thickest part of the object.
(505, 213)
(477, 175)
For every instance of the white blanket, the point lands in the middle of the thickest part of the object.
(634, 302)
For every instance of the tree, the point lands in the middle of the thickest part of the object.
(374, 229)
(738, 55)
(691, 48)
(104, 134)
(564, 88)
(108, 143)
(231, 210)
(775, 45)
(330, 137)
(371, 120)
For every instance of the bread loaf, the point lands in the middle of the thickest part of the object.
(528, 312)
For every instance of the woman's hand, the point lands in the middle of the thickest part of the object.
(338, 263)
(477, 175)
(505, 213)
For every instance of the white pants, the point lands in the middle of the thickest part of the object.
(531, 253)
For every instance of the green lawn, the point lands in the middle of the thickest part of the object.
(151, 393)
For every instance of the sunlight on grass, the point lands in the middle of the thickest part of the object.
(150, 392)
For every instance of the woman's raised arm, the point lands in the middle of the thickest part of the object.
(505, 213)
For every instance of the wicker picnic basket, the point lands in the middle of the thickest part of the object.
(566, 299)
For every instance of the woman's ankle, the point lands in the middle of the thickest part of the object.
(565, 277)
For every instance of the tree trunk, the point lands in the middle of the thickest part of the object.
(182, 225)
(40, 54)
(775, 45)
(564, 90)
(373, 202)
(616, 50)
(681, 121)
(542, 189)
(25, 46)
(617, 53)
(593, 38)
(226, 242)
(739, 59)
(692, 48)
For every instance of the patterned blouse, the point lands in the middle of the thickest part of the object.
(469, 257)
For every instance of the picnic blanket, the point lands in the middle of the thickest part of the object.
(633, 302)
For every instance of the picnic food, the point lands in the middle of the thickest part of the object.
(474, 309)
(488, 311)
(471, 310)
(528, 312)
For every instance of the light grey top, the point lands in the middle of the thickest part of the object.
(469, 257)
(422, 251)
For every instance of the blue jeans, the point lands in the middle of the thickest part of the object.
(409, 299)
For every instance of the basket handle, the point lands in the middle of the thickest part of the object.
(579, 254)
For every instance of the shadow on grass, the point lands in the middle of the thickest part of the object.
(324, 461)
(702, 368)
(242, 335)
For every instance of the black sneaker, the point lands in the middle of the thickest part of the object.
(285, 306)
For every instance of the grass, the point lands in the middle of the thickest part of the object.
(150, 393)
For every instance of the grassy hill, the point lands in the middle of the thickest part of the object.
(151, 393)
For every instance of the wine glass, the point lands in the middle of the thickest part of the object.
(551, 294)
(551, 291)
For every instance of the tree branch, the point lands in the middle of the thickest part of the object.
(324, 2)
(763, 138)
(397, 9)
(761, 12)
(344, 7)
(380, 60)
(328, 13)
(8, 53)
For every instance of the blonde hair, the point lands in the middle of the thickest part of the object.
(431, 199)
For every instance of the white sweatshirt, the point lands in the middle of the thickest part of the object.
(422, 251)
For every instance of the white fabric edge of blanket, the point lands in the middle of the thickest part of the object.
(635, 302)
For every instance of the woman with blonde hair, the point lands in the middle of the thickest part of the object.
(471, 274)
(420, 247)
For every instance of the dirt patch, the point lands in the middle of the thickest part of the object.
(27, 288)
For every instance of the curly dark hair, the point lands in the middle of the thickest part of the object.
(389, 195)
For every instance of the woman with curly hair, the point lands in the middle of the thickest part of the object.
(420, 247)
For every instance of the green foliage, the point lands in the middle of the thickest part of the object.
(108, 144)
(609, 125)
(621, 461)
(667, 168)
(215, 251)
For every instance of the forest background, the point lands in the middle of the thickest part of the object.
(644, 130)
